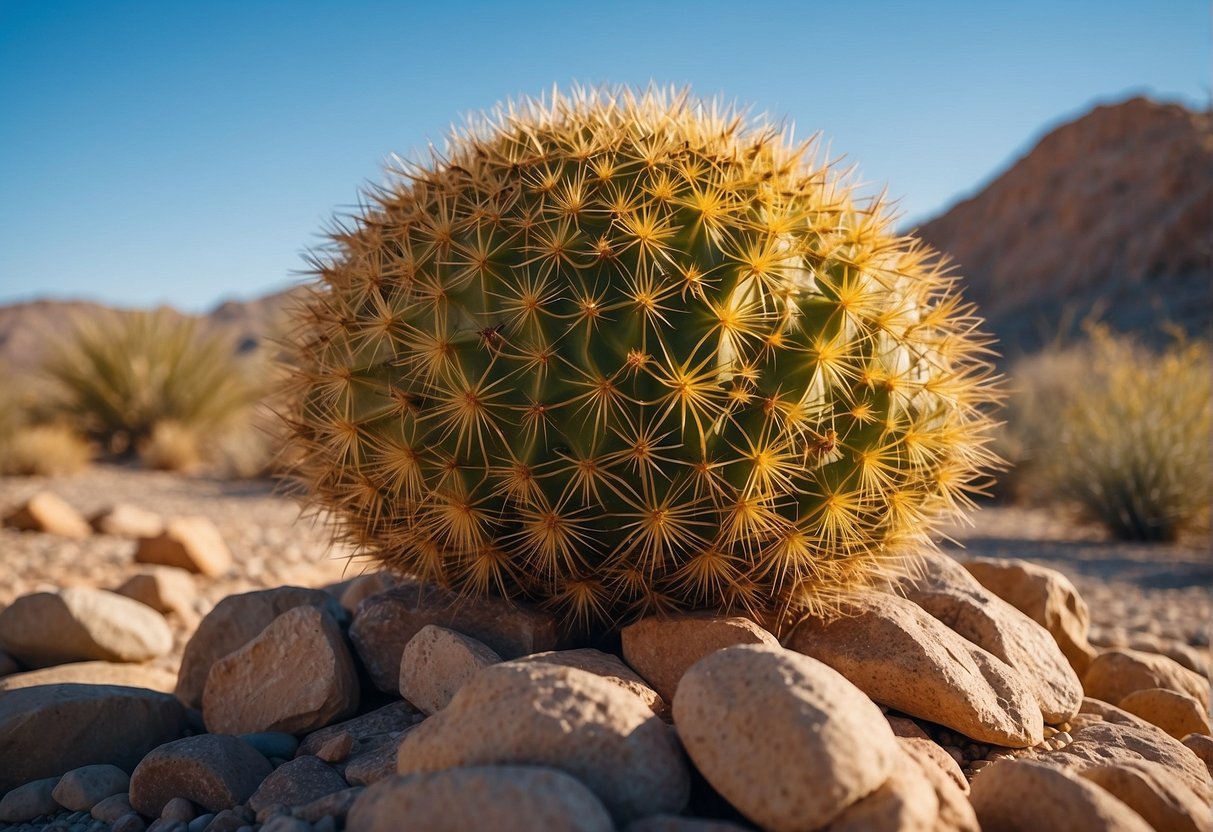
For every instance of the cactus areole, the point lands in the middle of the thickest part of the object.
(625, 352)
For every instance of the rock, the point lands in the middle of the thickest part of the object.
(190, 543)
(226, 821)
(1093, 711)
(178, 809)
(216, 772)
(1114, 674)
(297, 783)
(94, 673)
(786, 740)
(1202, 746)
(501, 798)
(50, 513)
(561, 717)
(1176, 713)
(952, 595)
(112, 808)
(369, 767)
(905, 802)
(83, 788)
(51, 729)
(125, 520)
(436, 663)
(337, 749)
(128, 823)
(232, 623)
(1106, 743)
(356, 590)
(605, 665)
(334, 805)
(677, 823)
(295, 676)
(903, 727)
(368, 730)
(925, 751)
(386, 622)
(1154, 793)
(32, 800)
(200, 823)
(82, 624)
(1044, 595)
(285, 823)
(661, 649)
(1014, 795)
(8, 665)
(163, 588)
(273, 743)
(900, 656)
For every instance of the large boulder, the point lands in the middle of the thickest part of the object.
(558, 717)
(82, 624)
(46, 731)
(900, 656)
(784, 738)
(94, 673)
(1114, 674)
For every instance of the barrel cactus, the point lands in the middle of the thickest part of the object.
(625, 352)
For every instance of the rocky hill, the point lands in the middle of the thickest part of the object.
(1109, 214)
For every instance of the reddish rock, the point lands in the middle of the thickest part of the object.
(297, 783)
(125, 520)
(368, 731)
(191, 543)
(163, 588)
(94, 673)
(295, 676)
(385, 623)
(216, 772)
(48, 512)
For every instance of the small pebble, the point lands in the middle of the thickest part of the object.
(129, 823)
(179, 808)
(200, 823)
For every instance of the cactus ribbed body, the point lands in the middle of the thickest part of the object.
(622, 352)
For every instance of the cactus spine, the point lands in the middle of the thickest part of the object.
(624, 352)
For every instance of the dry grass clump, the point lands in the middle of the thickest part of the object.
(43, 450)
(1120, 431)
(152, 384)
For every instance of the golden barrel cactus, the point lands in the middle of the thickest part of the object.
(622, 352)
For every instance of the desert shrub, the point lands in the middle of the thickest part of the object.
(172, 446)
(1124, 433)
(43, 450)
(119, 376)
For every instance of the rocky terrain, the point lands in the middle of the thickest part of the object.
(199, 659)
(1108, 214)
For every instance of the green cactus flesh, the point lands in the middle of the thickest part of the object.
(624, 352)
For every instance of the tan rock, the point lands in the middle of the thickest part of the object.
(661, 649)
(1151, 791)
(82, 624)
(955, 811)
(560, 717)
(786, 740)
(47, 730)
(94, 673)
(906, 802)
(1044, 595)
(903, 727)
(501, 798)
(1094, 710)
(1014, 795)
(605, 665)
(900, 656)
(50, 513)
(385, 622)
(295, 676)
(945, 590)
(1108, 743)
(1176, 713)
(163, 588)
(1202, 746)
(125, 520)
(8, 665)
(216, 772)
(357, 590)
(1114, 674)
(232, 623)
(191, 543)
(436, 663)
(83, 788)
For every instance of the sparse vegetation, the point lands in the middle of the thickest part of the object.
(1120, 431)
(151, 383)
(43, 450)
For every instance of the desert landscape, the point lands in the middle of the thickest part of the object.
(184, 648)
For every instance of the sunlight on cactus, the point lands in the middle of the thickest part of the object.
(622, 352)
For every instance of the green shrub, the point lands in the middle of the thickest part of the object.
(1122, 432)
(119, 376)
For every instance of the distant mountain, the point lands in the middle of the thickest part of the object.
(1111, 213)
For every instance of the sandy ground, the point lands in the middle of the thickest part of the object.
(1135, 591)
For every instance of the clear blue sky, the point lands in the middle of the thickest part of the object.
(184, 152)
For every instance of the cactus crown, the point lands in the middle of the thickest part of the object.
(624, 352)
